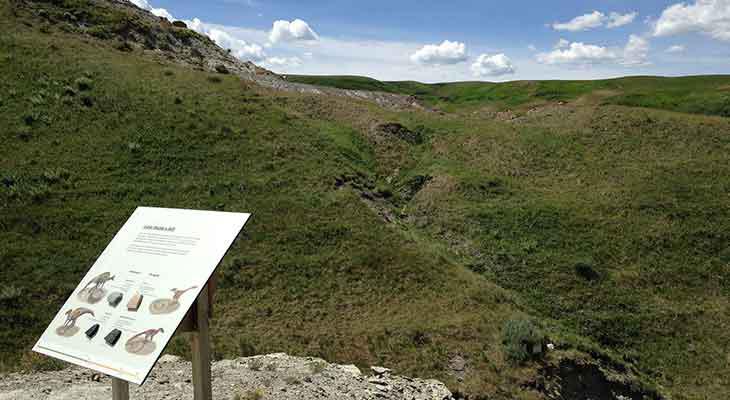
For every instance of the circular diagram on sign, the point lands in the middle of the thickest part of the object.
(91, 295)
(140, 346)
(164, 306)
(143, 343)
(67, 331)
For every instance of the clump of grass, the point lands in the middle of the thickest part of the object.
(84, 83)
(215, 79)
(55, 175)
(10, 292)
(522, 339)
(257, 394)
(317, 367)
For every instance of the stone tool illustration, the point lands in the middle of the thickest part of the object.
(113, 337)
(69, 327)
(135, 302)
(166, 306)
(143, 343)
(94, 289)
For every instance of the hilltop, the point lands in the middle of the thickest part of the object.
(454, 238)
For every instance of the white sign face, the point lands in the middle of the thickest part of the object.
(129, 304)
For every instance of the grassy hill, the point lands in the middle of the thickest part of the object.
(404, 238)
(708, 95)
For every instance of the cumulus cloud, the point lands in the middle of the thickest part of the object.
(615, 19)
(496, 65)
(160, 12)
(447, 52)
(561, 44)
(596, 19)
(297, 30)
(709, 17)
(577, 53)
(677, 48)
(240, 48)
(636, 51)
(531, 47)
(582, 22)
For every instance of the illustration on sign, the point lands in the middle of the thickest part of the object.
(148, 277)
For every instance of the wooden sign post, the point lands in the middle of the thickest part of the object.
(158, 256)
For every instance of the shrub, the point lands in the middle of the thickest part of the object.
(586, 271)
(522, 339)
(215, 79)
(124, 46)
(87, 100)
(84, 83)
(100, 32)
(246, 349)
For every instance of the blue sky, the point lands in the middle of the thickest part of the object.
(467, 40)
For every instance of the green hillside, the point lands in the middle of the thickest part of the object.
(595, 212)
(708, 95)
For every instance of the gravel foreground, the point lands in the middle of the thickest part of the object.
(273, 376)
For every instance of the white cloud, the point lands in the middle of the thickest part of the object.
(577, 53)
(709, 17)
(596, 19)
(447, 52)
(284, 61)
(240, 48)
(615, 19)
(636, 52)
(297, 30)
(561, 44)
(160, 12)
(677, 48)
(531, 47)
(581, 23)
(496, 65)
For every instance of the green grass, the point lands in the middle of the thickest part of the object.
(605, 221)
(708, 95)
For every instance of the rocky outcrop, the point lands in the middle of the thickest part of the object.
(138, 29)
(274, 376)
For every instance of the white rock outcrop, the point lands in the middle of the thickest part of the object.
(273, 376)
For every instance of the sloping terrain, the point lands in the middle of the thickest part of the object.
(391, 236)
(709, 95)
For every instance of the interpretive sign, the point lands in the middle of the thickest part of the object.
(129, 304)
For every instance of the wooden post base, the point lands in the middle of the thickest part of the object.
(200, 348)
(120, 389)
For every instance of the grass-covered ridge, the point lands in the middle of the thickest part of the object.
(708, 95)
(605, 225)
